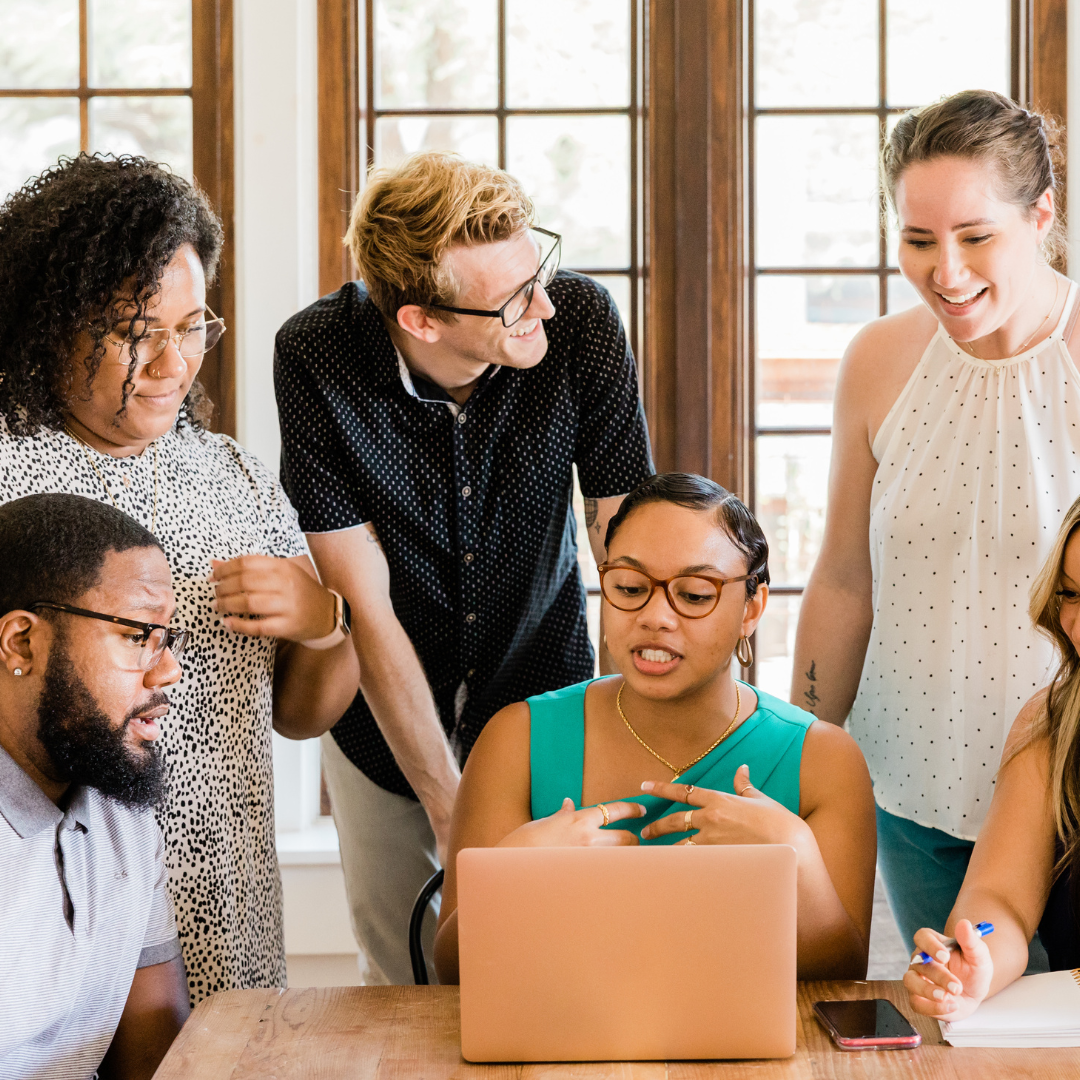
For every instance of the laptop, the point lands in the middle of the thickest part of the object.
(628, 953)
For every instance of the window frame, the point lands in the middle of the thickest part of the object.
(211, 93)
(348, 115)
(700, 265)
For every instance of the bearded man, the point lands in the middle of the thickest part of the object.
(92, 979)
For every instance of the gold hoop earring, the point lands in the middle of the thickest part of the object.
(744, 653)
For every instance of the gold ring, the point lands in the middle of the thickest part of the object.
(688, 823)
(604, 811)
(690, 842)
(689, 792)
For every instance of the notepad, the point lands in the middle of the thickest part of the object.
(1036, 1010)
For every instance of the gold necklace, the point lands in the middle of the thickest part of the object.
(1057, 288)
(663, 760)
(85, 447)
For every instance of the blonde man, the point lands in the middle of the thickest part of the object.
(430, 420)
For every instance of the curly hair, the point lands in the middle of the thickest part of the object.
(72, 241)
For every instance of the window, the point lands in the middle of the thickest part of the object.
(87, 75)
(822, 267)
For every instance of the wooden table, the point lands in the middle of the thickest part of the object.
(385, 1032)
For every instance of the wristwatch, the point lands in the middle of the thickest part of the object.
(342, 625)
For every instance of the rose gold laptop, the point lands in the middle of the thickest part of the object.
(624, 954)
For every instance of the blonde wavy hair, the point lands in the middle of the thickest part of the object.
(407, 217)
(1058, 719)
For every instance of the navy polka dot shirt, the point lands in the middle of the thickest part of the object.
(472, 504)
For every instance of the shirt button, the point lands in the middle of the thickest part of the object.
(470, 618)
(466, 491)
(469, 556)
(461, 418)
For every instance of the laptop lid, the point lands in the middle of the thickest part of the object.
(628, 953)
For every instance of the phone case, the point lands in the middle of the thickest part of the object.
(892, 1042)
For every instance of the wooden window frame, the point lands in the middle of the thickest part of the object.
(692, 288)
(211, 93)
(347, 121)
(699, 369)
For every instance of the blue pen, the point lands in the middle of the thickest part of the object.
(982, 929)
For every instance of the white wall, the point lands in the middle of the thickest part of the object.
(277, 275)
(276, 197)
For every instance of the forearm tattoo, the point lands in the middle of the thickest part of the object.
(592, 512)
(811, 696)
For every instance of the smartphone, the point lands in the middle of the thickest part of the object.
(874, 1024)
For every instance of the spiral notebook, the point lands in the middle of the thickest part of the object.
(1036, 1010)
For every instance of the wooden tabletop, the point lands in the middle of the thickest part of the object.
(391, 1032)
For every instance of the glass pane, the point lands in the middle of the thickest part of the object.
(143, 43)
(792, 481)
(774, 645)
(577, 170)
(791, 38)
(39, 45)
(568, 52)
(34, 132)
(804, 324)
(439, 53)
(937, 47)
(817, 191)
(619, 287)
(475, 138)
(157, 127)
(585, 556)
(902, 294)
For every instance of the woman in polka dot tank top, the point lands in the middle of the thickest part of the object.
(954, 459)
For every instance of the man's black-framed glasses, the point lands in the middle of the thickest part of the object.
(150, 644)
(514, 309)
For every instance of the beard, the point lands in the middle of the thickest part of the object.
(86, 747)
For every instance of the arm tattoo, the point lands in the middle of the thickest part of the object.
(592, 508)
(373, 536)
(811, 696)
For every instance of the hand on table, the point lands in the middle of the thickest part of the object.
(953, 988)
(747, 817)
(289, 602)
(568, 827)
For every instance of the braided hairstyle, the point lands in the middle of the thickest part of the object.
(1025, 148)
(73, 240)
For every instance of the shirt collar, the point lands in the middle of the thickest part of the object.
(27, 808)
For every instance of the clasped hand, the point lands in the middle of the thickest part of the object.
(954, 983)
(262, 596)
(747, 817)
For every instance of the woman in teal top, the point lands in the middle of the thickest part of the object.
(665, 751)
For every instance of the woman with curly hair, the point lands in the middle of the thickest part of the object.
(103, 327)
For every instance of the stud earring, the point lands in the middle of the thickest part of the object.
(17, 671)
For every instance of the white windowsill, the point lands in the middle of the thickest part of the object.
(315, 846)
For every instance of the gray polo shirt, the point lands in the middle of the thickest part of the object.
(82, 905)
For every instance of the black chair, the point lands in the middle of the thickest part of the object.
(416, 923)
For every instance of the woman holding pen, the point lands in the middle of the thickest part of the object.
(1024, 872)
(674, 749)
(954, 458)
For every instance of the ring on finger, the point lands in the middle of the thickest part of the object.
(688, 822)
(689, 792)
(604, 811)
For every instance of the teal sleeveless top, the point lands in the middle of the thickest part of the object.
(769, 740)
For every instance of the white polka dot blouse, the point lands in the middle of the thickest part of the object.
(978, 462)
